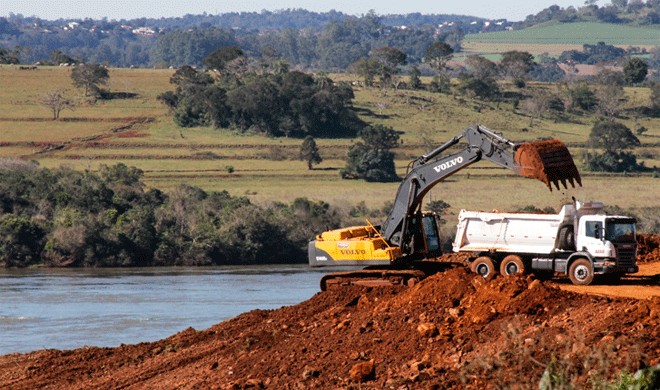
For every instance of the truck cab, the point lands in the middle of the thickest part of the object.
(611, 242)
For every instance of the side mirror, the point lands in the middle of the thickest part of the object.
(597, 232)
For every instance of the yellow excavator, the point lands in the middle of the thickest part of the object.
(394, 252)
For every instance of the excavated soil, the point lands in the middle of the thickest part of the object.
(452, 330)
(648, 248)
(548, 161)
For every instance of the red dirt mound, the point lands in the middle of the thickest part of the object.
(648, 248)
(452, 330)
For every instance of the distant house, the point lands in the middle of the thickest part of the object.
(144, 31)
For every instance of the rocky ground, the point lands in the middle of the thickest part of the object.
(648, 248)
(452, 330)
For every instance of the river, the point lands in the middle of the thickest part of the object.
(72, 308)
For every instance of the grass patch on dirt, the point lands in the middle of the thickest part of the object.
(22, 91)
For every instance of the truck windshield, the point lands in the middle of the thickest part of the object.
(620, 230)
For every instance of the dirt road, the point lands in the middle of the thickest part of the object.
(642, 285)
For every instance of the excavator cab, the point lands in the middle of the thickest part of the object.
(426, 237)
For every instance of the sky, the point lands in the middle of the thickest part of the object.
(513, 10)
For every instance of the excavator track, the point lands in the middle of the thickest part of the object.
(378, 276)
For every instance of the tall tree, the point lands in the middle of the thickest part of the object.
(615, 138)
(57, 57)
(438, 55)
(90, 77)
(610, 97)
(578, 95)
(481, 67)
(187, 77)
(515, 65)
(9, 56)
(309, 152)
(612, 136)
(536, 106)
(367, 68)
(655, 95)
(389, 59)
(635, 70)
(482, 88)
(371, 159)
(220, 57)
(56, 101)
(414, 80)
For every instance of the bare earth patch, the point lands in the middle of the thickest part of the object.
(452, 330)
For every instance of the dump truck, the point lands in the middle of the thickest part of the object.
(581, 241)
(394, 251)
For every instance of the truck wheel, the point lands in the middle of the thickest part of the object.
(581, 273)
(512, 265)
(566, 238)
(484, 266)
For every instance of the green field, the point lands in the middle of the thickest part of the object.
(553, 38)
(139, 132)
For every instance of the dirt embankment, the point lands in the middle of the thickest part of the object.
(452, 330)
(648, 248)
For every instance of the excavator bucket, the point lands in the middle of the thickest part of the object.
(548, 161)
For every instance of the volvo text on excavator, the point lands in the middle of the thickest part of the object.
(394, 251)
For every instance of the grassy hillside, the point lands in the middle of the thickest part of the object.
(139, 132)
(554, 38)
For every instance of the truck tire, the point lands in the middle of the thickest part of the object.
(512, 265)
(484, 266)
(581, 272)
(566, 238)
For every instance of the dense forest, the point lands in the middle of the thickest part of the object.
(285, 103)
(63, 217)
(328, 41)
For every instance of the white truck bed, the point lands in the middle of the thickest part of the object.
(507, 232)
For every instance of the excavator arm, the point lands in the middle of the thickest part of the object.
(548, 161)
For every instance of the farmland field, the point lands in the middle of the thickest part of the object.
(139, 132)
(554, 38)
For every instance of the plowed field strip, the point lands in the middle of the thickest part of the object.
(131, 125)
(147, 145)
(74, 119)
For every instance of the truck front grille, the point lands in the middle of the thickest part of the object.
(626, 254)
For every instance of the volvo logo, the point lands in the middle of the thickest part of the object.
(448, 164)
